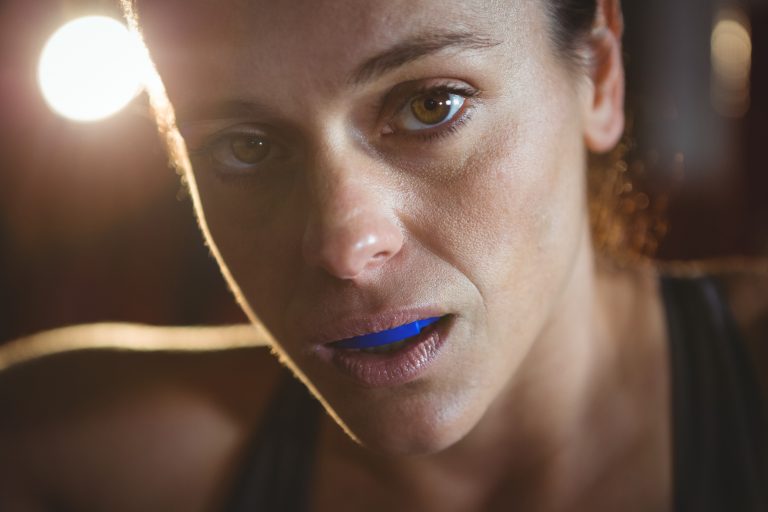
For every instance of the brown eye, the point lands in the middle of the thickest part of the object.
(432, 108)
(243, 150)
(249, 149)
(429, 110)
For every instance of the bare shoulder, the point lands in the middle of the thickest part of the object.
(84, 429)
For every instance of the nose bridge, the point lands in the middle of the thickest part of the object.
(352, 227)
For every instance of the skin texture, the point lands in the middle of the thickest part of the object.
(353, 216)
(552, 391)
(347, 220)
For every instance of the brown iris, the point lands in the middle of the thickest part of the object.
(432, 108)
(249, 149)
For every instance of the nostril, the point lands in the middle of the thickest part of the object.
(380, 255)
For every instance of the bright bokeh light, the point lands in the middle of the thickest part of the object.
(91, 68)
(731, 48)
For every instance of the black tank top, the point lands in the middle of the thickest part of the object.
(720, 434)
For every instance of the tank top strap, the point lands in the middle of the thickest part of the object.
(277, 467)
(719, 423)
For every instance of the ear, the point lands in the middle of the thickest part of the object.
(605, 112)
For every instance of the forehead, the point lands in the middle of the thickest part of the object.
(228, 41)
(315, 26)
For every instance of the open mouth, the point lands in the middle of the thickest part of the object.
(389, 340)
(391, 357)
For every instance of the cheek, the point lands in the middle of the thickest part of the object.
(512, 204)
(256, 243)
(512, 219)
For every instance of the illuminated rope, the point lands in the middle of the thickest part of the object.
(165, 118)
(132, 338)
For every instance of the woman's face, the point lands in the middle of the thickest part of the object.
(362, 164)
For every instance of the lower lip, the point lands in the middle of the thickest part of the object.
(392, 368)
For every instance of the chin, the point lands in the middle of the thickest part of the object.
(408, 426)
(405, 442)
(423, 446)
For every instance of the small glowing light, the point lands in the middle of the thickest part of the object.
(91, 68)
(731, 54)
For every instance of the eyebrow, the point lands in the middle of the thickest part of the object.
(416, 48)
(228, 109)
(392, 58)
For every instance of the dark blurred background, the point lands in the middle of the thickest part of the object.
(93, 226)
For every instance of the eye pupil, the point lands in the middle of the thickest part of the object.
(249, 149)
(433, 108)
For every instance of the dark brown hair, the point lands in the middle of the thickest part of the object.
(573, 20)
(626, 226)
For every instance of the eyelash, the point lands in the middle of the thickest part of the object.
(448, 128)
(239, 177)
(440, 131)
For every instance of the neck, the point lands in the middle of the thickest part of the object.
(570, 415)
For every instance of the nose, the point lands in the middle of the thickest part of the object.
(351, 229)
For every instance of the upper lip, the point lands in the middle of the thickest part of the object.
(349, 326)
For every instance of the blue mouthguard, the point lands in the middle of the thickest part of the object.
(387, 337)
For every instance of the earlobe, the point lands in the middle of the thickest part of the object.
(605, 115)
